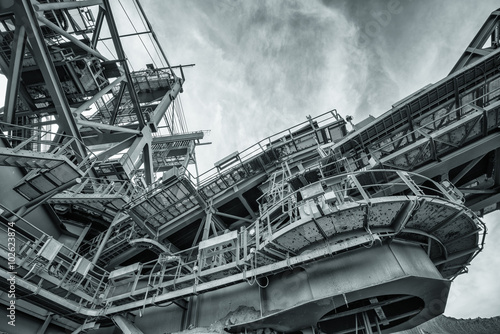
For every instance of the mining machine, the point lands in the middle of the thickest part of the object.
(107, 226)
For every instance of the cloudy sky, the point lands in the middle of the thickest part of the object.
(263, 66)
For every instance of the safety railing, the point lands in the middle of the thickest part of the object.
(121, 233)
(239, 251)
(264, 154)
(43, 257)
(143, 81)
(443, 120)
(255, 159)
(231, 252)
(42, 141)
(438, 119)
(330, 193)
(102, 188)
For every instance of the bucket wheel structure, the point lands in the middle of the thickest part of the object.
(366, 228)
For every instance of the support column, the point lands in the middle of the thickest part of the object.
(147, 159)
(14, 74)
(46, 323)
(191, 314)
(121, 55)
(125, 325)
(105, 239)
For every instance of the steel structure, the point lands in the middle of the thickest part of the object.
(104, 226)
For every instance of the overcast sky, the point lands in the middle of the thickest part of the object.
(263, 66)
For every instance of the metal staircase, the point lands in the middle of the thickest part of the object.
(48, 170)
(98, 193)
(169, 198)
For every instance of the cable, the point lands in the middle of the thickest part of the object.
(150, 37)
(185, 128)
(140, 38)
(104, 43)
(162, 305)
(149, 34)
(251, 268)
(263, 286)
(150, 28)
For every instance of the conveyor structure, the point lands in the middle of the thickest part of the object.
(312, 229)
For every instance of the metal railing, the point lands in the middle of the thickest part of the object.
(239, 251)
(426, 128)
(277, 146)
(43, 141)
(44, 257)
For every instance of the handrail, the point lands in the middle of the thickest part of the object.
(419, 131)
(377, 149)
(51, 145)
(274, 140)
(64, 265)
(189, 268)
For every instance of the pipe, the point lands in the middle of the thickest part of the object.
(118, 219)
(32, 205)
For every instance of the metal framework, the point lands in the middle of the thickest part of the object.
(446, 131)
(111, 223)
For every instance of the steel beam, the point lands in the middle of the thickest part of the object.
(150, 28)
(197, 212)
(86, 326)
(97, 28)
(14, 75)
(96, 125)
(125, 325)
(41, 7)
(93, 139)
(227, 215)
(467, 153)
(98, 95)
(475, 46)
(118, 100)
(478, 203)
(496, 167)
(162, 107)
(41, 54)
(46, 324)
(121, 55)
(135, 151)
(247, 206)
(147, 159)
(466, 169)
(372, 306)
(438, 94)
(115, 149)
(72, 38)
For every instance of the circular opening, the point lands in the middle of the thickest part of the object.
(379, 313)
